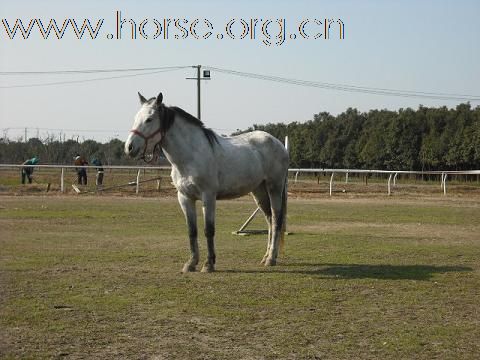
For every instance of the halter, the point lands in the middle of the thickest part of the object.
(146, 138)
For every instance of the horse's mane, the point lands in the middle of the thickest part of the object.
(209, 133)
(168, 117)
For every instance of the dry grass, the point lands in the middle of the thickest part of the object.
(98, 277)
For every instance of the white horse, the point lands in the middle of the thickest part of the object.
(207, 167)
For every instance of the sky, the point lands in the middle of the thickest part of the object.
(423, 46)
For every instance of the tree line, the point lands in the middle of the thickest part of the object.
(416, 140)
(52, 151)
(424, 139)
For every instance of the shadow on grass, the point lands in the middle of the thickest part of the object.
(361, 271)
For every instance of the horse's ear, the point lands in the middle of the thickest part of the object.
(159, 98)
(142, 99)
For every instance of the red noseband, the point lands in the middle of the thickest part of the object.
(146, 138)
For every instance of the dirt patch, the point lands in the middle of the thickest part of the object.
(438, 234)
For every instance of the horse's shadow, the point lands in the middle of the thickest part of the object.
(360, 271)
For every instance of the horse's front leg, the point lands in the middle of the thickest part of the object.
(209, 202)
(188, 208)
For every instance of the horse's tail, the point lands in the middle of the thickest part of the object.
(284, 215)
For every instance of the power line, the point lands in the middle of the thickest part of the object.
(22, 128)
(350, 88)
(89, 80)
(315, 84)
(90, 71)
(52, 129)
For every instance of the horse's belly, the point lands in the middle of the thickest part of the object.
(235, 186)
(239, 173)
(233, 193)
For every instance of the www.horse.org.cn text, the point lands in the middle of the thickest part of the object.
(269, 32)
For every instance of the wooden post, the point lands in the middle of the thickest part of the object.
(248, 220)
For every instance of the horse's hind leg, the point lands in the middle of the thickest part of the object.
(209, 202)
(188, 208)
(262, 199)
(275, 193)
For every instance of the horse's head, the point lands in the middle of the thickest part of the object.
(147, 130)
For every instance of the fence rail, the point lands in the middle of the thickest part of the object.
(54, 166)
(392, 174)
(113, 167)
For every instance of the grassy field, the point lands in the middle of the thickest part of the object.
(362, 278)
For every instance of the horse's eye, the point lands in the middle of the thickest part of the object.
(148, 120)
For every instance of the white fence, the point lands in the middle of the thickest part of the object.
(64, 167)
(392, 174)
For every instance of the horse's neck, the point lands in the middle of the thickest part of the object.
(183, 144)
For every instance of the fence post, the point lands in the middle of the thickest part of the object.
(138, 181)
(284, 225)
(389, 180)
(445, 184)
(331, 183)
(62, 181)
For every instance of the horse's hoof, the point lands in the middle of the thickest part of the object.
(270, 262)
(264, 259)
(188, 268)
(208, 268)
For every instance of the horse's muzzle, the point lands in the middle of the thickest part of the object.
(130, 149)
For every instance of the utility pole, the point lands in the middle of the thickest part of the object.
(25, 134)
(198, 91)
(206, 76)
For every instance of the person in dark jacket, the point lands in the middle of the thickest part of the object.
(27, 171)
(80, 162)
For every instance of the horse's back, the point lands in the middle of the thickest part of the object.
(248, 159)
(269, 146)
(258, 145)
